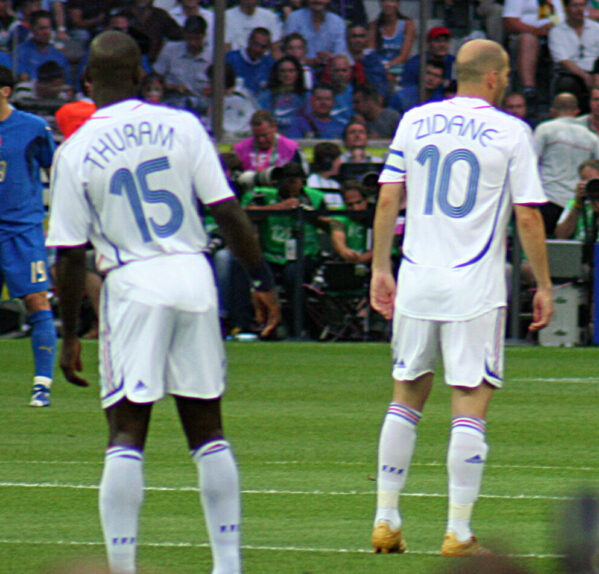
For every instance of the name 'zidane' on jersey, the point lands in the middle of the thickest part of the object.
(464, 164)
(136, 201)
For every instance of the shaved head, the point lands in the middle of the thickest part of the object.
(565, 102)
(475, 59)
(114, 59)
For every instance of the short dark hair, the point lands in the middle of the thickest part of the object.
(7, 78)
(368, 91)
(292, 169)
(194, 25)
(34, 17)
(49, 71)
(230, 77)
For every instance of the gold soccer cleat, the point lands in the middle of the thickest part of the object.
(387, 541)
(453, 547)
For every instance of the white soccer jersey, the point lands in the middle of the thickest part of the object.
(130, 179)
(464, 164)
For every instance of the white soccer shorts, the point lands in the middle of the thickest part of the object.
(149, 350)
(472, 351)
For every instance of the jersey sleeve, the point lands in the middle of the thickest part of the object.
(70, 215)
(210, 184)
(46, 147)
(394, 170)
(523, 172)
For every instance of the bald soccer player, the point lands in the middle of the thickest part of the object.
(462, 165)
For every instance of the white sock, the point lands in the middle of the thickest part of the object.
(466, 456)
(121, 495)
(220, 496)
(396, 447)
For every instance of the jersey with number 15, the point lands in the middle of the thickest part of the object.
(130, 180)
(464, 164)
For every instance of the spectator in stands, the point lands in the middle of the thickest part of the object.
(70, 117)
(186, 8)
(353, 11)
(580, 211)
(86, 18)
(350, 236)
(409, 97)
(7, 17)
(151, 89)
(325, 171)
(574, 48)
(155, 23)
(294, 45)
(183, 66)
(591, 120)
(266, 148)
(285, 95)
(20, 29)
(238, 105)
(437, 41)
(392, 36)
(38, 49)
(49, 84)
(527, 24)
(318, 122)
(59, 18)
(324, 31)
(491, 13)
(355, 140)
(380, 122)
(253, 64)
(367, 65)
(118, 19)
(340, 72)
(562, 145)
(241, 20)
(514, 103)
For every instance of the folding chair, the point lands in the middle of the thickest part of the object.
(337, 302)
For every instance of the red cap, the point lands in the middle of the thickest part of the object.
(438, 31)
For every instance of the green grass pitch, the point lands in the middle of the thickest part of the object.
(304, 421)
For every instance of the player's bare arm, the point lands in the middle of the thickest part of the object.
(71, 282)
(382, 284)
(239, 235)
(532, 236)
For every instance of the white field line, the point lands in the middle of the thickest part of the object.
(100, 462)
(553, 379)
(249, 547)
(270, 491)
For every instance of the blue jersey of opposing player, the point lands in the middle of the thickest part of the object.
(26, 145)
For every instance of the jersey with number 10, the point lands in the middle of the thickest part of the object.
(464, 164)
(130, 180)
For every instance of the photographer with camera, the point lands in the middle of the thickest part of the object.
(279, 232)
(265, 147)
(578, 218)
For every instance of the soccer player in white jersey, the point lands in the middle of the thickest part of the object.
(462, 165)
(131, 181)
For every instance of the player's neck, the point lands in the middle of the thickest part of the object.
(473, 93)
(5, 110)
(110, 96)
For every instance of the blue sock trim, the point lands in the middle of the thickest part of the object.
(469, 423)
(211, 447)
(124, 452)
(43, 342)
(407, 414)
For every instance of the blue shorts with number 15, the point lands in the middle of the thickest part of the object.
(23, 263)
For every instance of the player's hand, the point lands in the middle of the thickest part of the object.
(70, 361)
(268, 311)
(382, 293)
(581, 191)
(542, 309)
